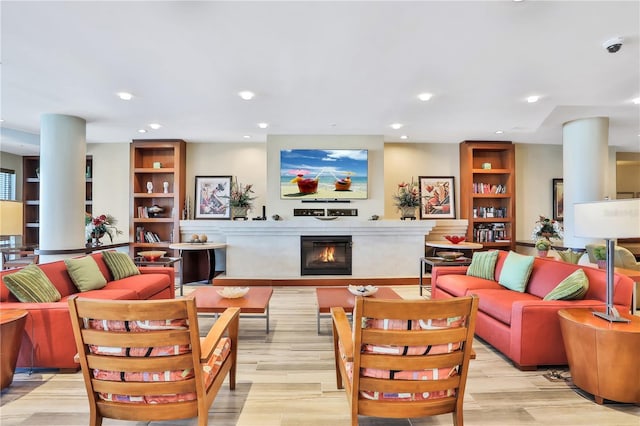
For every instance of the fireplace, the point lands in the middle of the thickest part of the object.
(325, 255)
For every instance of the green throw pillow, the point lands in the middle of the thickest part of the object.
(120, 264)
(515, 271)
(85, 273)
(31, 285)
(483, 264)
(573, 287)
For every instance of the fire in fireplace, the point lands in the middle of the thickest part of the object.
(325, 255)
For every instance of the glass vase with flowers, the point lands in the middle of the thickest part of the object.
(99, 226)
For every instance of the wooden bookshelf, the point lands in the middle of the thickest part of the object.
(31, 197)
(157, 162)
(487, 192)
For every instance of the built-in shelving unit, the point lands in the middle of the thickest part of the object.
(31, 196)
(487, 192)
(154, 165)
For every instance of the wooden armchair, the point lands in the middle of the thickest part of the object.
(144, 360)
(405, 358)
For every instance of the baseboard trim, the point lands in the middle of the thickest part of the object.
(314, 282)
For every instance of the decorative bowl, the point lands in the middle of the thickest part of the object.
(455, 239)
(362, 290)
(233, 292)
(450, 255)
(152, 255)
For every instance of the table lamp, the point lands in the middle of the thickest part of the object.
(10, 218)
(608, 220)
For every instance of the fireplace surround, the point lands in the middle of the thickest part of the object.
(325, 254)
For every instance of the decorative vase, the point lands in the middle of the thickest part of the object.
(238, 212)
(543, 253)
(408, 212)
(95, 239)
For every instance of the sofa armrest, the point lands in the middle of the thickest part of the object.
(438, 271)
(536, 321)
(170, 271)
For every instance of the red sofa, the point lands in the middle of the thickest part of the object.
(48, 339)
(522, 326)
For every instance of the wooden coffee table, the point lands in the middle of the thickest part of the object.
(340, 297)
(256, 301)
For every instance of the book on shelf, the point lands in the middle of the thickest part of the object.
(487, 188)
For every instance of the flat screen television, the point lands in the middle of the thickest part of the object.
(324, 174)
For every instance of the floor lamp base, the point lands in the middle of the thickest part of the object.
(611, 317)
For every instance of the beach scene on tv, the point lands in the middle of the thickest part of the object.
(324, 174)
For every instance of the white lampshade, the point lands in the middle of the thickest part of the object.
(608, 219)
(10, 218)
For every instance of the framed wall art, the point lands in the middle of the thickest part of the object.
(212, 197)
(438, 197)
(558, 200)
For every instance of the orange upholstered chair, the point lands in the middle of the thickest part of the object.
(144, 360)
(405, 358)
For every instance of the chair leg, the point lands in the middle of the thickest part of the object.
(96, 419)
(457, 418)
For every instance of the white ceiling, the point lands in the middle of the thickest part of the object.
(320, 68)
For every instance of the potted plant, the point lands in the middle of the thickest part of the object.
(240, 199)
(407, 199)
(600, 254)
(547, 228)
(543, 245)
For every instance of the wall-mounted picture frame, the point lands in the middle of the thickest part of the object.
(558, 199)
(212, 197)
(438, 197)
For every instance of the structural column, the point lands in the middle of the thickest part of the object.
(62, 186)
(585, 168)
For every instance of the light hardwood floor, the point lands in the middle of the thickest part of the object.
(287, 378)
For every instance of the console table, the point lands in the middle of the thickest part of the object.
(602, 356)
(208, 248)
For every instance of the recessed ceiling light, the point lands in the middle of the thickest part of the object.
(246, 95)
(636, 101)
(142, 131)
(424, 96)
(532, 99)
(396, 126)
(125, 96)
(155, 126)
(263, 125)
(499, 132)
(247, 136)
(404, 137)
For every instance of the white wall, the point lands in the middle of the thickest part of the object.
(245, 161)
(111, 184)
(536, 167)
(406, 161)
(389, 164)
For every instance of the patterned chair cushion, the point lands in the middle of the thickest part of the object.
(430, 374)
(210, 370)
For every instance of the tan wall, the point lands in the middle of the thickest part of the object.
(391, 163)
(628, 173)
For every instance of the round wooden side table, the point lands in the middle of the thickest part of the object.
(602, 356)
(12, 323)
